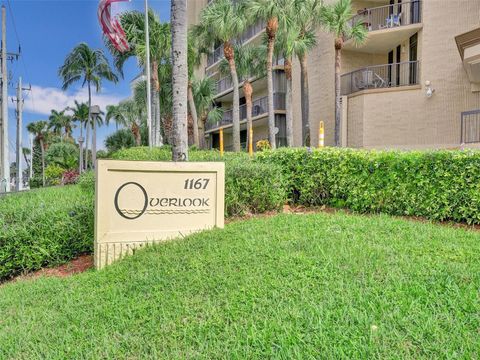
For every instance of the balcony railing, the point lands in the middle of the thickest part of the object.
(250, 32)
(259, 107)
(226, 83)
(381, 76)
(470, 128)
(390, 16)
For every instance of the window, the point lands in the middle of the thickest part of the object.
(413, 60)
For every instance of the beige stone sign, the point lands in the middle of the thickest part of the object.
(143, 202)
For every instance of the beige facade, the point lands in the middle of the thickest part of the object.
(405, 87)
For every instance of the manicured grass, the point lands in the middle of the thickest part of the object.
(290, 286)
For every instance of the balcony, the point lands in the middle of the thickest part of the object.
(381, 77)
(387, 25)
(259, 109)
(225, 84)
(470, 127)
(248, 34)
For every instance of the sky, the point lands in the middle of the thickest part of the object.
(47, 30)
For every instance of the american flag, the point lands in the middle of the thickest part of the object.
(111, 26)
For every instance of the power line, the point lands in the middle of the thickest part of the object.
(20, 49)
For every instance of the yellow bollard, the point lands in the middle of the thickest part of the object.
(221, 142)
(250, 142)
(321, 135)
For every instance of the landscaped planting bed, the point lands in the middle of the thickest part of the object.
(289, 286)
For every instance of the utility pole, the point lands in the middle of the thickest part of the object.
(19, 101)
(4, 153)
(5, 168)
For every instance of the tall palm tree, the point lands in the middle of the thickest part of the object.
(273, 12)
(204, 91)
(91, 67)
(222, 21)
(178, 15)
(39, 130)
(58, 120)
(306, 17)
(129, 114)
(80, 115)
(336, 19)
(194, 59)
(133, 22)
(294, 41)
(26, 153)
(250, 61)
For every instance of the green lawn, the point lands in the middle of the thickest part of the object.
(290, 286)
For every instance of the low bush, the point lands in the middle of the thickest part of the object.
(86, 181)
(44, 227)
(53, 174)
(253, 188)
(438, 185)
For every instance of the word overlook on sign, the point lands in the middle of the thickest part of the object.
(139, 203)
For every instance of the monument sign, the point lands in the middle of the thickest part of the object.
(142, 202)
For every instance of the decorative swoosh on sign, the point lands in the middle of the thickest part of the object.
(162, 212)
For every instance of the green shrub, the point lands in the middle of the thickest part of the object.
(63, 154)
(53, 174)
(253, 187)
(86, 181)
(44, 227)
(439, 185)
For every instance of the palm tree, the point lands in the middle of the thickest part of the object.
(89, 66)
(129, 114)
(194, 59)
(39, 130)
(133, 22)
(306, 15)
(80, 115)
(223, 21)
(293, 41)
(336, 19)
(250, 61)
(178, 15)
(204, 92)
(273, 12)
(58, 120)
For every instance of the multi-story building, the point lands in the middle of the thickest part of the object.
(414, 82)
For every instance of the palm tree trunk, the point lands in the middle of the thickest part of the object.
(87, 140)
(289, 102)
(247, 91)
(94, 129)
(337, 94)
(305, 101)
(90, 118)
(136, 134)
(42, 149)
(193, 112)
(201, 132)
(178, 16)
(80, 163)
(229, 55)
(157, 134)
(271, 30)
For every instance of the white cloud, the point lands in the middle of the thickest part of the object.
(41, 100)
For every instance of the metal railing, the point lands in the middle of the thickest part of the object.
(389, 16)
(381, 76)
(215, 56)
(259, 107)
(470, 127)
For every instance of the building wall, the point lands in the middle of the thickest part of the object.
(399, 117)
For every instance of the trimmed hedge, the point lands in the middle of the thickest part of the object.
(44, 227)
(438, 185)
